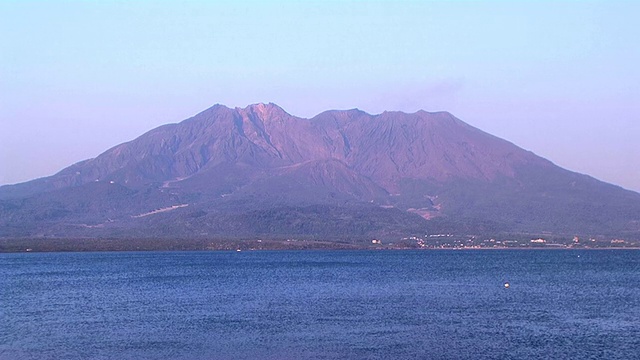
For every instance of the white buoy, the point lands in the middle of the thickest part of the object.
(506, 285)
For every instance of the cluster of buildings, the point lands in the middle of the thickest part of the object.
(450, 241)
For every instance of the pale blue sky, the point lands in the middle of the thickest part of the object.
(558, 78)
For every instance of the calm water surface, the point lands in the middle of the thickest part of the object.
(321, 305)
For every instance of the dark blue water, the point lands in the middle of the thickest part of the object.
(321, 305)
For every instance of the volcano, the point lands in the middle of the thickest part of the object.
(261, 172)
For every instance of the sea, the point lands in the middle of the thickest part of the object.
(389, 304)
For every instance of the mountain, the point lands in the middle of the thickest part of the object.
(261, 172)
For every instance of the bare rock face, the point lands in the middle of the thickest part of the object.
(228, 172)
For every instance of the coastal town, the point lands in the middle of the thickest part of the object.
(450, 241)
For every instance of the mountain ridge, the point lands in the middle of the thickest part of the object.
(428, 171)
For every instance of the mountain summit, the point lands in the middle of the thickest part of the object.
(259, 171)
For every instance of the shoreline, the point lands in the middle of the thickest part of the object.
(158, 245)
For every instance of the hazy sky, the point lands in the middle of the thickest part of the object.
(561, 79)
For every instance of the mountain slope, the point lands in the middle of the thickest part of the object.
(259, 171)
